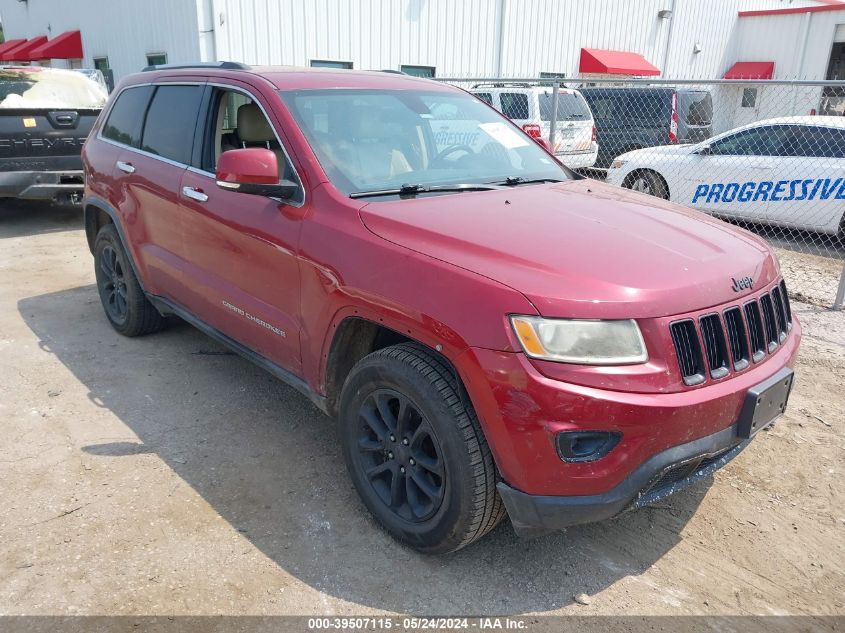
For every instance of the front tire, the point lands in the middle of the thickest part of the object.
(415, 450)
(124, 302)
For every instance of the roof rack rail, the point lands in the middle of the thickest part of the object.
(217, 65)
(507, 84)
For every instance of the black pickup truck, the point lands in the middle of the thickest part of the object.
(45, 117)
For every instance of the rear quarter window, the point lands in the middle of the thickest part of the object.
(486, 97)
(171, 121)
(514, 105)
(124, 122)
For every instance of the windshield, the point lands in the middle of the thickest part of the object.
(371, 140)
(570, 107)
(49, 88)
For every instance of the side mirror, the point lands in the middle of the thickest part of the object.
(704, 151)
(253, 170)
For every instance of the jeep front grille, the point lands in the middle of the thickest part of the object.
(730, 340)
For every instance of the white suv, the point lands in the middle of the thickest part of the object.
(531, 108)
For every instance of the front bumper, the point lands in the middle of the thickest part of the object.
(66, 185)
(522, 408)
(662, 475)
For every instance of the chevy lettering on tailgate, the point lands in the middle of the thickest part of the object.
(771, 190)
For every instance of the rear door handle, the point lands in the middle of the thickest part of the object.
(127, 167)
(194, 194)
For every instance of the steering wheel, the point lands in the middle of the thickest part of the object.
(441, 156)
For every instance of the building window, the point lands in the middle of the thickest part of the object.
(156, 59)
(325, 63)
(749, 97)
(418, 71)
(101, 64)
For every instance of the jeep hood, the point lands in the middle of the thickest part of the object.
(581, 248)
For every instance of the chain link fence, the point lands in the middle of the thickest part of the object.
(768, 156)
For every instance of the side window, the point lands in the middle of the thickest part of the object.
(514, 105)
(171, 121)
(603, 107)
(649, 107)
(235, 122)
(820, 142)
(761, 141)
(126, 116)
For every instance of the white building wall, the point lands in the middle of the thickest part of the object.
(123, 30)
(458, 37)
(559, 30)
(462, 38)
(376, 34)
(798, 43)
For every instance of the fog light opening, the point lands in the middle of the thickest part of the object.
(585, 446)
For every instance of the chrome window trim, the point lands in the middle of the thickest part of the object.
(138, 150)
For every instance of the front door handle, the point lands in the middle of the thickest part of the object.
(127, 167)
(194, 194)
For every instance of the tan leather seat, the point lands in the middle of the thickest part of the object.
(254, 131)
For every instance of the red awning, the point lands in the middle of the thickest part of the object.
(595, 60)
(8, 54)
(10, 44)
(22, 52)
(68, 45)
(751, 70)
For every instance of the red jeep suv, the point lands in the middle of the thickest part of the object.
(493, 333)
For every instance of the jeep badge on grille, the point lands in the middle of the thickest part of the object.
(742, 283)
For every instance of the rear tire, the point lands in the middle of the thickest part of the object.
(124, 302)
(648, 182)
(415, 450)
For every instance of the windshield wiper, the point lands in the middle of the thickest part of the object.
(512, 181)
(414, 189)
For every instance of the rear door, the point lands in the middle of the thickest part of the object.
(810, 181)
(148, 175)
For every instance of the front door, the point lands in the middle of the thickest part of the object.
(242, 270)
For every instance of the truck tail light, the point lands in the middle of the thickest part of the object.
(532, 130)
(594, 136)
(673, 120)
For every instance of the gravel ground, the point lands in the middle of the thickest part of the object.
(163, 475)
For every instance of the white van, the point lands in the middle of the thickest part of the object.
(531, 108)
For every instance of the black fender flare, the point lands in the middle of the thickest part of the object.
(90, 233)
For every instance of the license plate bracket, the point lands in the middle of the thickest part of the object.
(764, 403)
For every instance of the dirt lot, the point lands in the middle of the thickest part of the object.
(163, 475)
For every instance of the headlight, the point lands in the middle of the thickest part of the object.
(581, 341)
(616, 164)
